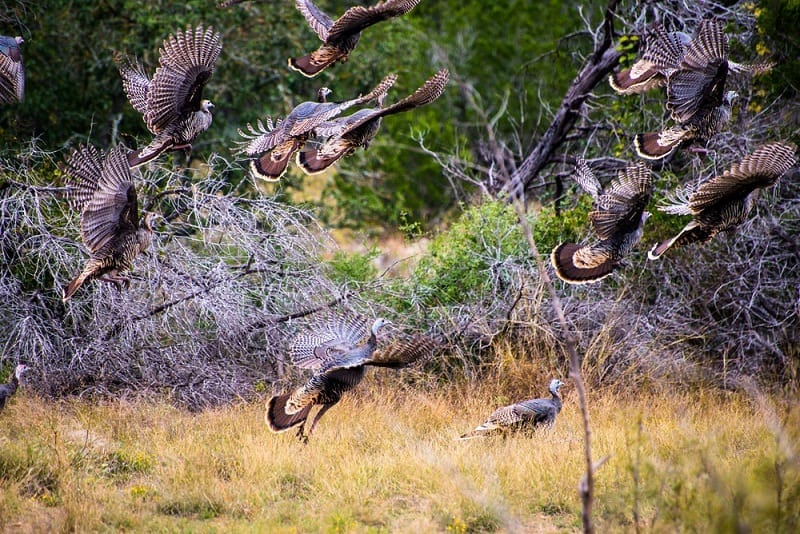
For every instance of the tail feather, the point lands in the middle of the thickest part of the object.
(691, 233)
(312, 64)
(313, 163)
(624, 84)
(157, 147)
(479, 432)
(652, 145)
(563, 262)
(276, 417)
(272, 165)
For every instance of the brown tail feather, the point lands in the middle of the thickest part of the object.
(312, 163)
(135, 158)
(622, 82)
(276, 417)
(269, 169)
(305, 66)
(562, 260)
(648, 147)
(691, 233)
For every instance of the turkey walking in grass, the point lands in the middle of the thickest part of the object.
(525, 415)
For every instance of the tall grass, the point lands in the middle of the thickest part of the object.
(386, 460)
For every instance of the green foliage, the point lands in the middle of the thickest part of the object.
(459, 264)
(353, 267)
(550, 228)
(778, 21)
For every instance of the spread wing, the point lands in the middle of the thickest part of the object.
(427, 93)
(83, 169)
(761, 168)
(620, 206)
(135, 82)
(357, 18)
(402, 353)
(319, 21)
(262, 138)
(699, 83)
(586, 179)
(187, 61)
(113, 209)
(327, 341)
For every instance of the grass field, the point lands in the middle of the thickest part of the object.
(387, 461)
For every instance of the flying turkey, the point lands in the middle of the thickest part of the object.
(696, 96)
(270, 148)
(102, 189)
(525, 415)
(7, 390)
(338, 354)
(662, 56)
(724, 201)
(617, 218)
(346, 134)
(340, 37)
(171, 103)
(12, 73)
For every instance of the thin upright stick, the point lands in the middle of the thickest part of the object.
(586, 486)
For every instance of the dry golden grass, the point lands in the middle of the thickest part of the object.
(386, 460)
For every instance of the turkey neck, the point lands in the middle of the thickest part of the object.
(556, 400)
(14, 384)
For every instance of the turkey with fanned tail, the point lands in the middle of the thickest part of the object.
(101, 187)
(270, 147)
(617, 219)
(338, 350)
(696, 95)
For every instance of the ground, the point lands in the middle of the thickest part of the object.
(387, 460)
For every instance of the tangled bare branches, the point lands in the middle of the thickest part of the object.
(209, 307)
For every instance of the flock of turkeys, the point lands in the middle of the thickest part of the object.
(694, 70)
(339, 348)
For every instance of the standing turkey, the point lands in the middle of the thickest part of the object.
(102, 189)
(7, 390)
(525, 415)
(724, 201)
(346, 134)
(696, 96)
(12, 73)
(270, 148)
(339, 355)
(171, 102)
(618, 220)
(340, 37)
